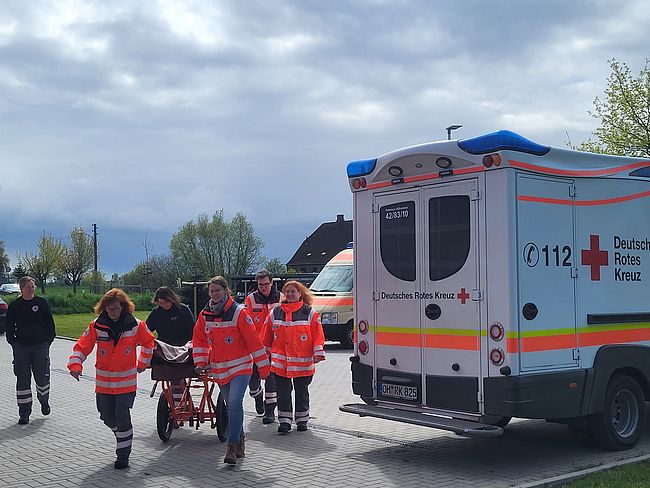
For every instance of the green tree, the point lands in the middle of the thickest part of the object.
(275, 266)
(243, 247)
(212, 246)
(161, 270)
(78, 257)
(19, 271)
(40, 266)
(4, 259)
(624, 114)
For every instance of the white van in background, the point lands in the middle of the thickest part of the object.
(332, 290)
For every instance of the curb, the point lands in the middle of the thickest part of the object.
(565, 478)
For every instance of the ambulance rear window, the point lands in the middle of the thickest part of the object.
(397, 239)
(449, 235)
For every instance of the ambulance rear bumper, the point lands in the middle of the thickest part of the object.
(458, 426)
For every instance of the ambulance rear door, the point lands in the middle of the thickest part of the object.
(450, 303)
(397, 280)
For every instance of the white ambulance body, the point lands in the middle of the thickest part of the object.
(332, 290)
(498, 278)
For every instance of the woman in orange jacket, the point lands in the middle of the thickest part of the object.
(225, 341)
(294, 336)
(117, 333)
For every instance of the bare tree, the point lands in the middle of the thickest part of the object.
(40, 266)
(77, 258)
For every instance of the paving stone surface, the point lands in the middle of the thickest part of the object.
(72, 447)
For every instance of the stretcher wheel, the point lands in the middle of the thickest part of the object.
(222, 418)
(164, 422)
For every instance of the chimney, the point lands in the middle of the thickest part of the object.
(339, 219)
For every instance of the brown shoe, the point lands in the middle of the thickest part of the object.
(241, 446)
(231, 454)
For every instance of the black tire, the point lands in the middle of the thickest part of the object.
(579, 431)
(164, 423)
(347, 340)
(622, 422)
(221, 411)
(502, 422)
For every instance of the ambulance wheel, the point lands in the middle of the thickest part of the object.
(579, 431)
(164, 423)
(347, 340)
(222, 418)
(622, 422)
(502, 422)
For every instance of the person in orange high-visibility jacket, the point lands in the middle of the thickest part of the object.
(294, 336)
(226, 342)
(117, 333)
(259, 304)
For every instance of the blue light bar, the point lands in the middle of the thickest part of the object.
(499, 141)
(361, 168)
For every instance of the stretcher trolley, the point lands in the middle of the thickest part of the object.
(173, 368)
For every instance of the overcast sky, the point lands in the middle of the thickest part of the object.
(139, 116)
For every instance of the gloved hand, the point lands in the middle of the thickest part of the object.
(201, 369)
(318, 359)
(75, 374)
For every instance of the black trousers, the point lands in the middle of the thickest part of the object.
(285, 407)
(28, 360)
(270, 390)
(115, 411)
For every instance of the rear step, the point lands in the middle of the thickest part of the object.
(460, 427)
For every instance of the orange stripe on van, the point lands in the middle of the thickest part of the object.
(343, 257)
(397, 339)
(614, 337)
(333, 301)
(586, 172)
(584, 339)
(432, 341)
(583, 203)
(440, 341)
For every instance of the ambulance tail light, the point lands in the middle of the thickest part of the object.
(490, 160)
(496, 331)
(359, 183)
(363, 327)
(363, 347)
(497, 356)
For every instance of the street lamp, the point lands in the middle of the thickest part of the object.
(450, 128)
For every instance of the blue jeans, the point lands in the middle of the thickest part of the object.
(234, 394)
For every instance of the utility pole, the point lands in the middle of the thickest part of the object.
(96, 286)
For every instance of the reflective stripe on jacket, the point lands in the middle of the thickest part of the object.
(294, 336)
(259, 306)
(228, 343)
(116, 364)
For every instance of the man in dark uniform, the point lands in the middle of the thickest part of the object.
(30, 331)
(259, 305)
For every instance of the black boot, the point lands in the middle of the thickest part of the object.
(121, 462)
(259, 403)
(269, 413)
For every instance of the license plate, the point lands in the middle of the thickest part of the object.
(398, 391)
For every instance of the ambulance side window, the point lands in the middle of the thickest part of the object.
(397, 239)
(449, 235)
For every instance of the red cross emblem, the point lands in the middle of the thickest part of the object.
(594, 257)
(463, 296)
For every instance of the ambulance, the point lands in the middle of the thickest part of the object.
(496, 277)
(332, 290)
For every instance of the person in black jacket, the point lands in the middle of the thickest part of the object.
(30, 331)
(174, 323)
(171, 319)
